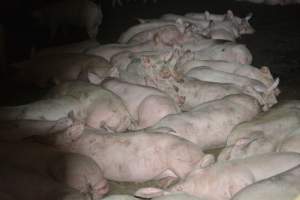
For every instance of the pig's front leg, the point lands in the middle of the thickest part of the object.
(20, 129)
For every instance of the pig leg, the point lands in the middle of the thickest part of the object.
(166, 178)
(153, 108)
(20, 129)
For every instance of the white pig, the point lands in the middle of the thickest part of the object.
(209, 124)
(224, 179)
(265, 133)
(137, 156)
(282, 186)
(146, 105)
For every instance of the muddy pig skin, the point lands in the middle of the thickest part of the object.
(73, 170)
(146, 105)
(138, 156)
(282, 186)
(17, 183)
(224, 179)
(209, 124)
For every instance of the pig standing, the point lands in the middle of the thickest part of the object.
(275, 130)
(73, 170)
(282, 186)
(137, 156)
(209, 124)
(223, 180)
(80, 13)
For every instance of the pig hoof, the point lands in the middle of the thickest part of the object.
(74, 131)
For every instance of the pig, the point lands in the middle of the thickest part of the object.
(76, 48)
(146, 155)
(209, 124)
(95, 106)
(132, 31)
(146, 105)
(282, 186)
(167, 33)
(230, 52)
(243, 24)
(263, 74)
(18, 183)
(223, 180)
(158, 71)
(201, 24)
(179, 196)
(60, 68)
(265, 133)
(211, 75)
(80, 13)
(73, 170)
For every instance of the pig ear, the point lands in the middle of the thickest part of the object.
(179, 21)
(207, 161)
(150, 192)
(249, 16)
(207, 15)
(94, 79)
(265, 70)
(229, 15)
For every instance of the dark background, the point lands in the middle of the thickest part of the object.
(276, 42)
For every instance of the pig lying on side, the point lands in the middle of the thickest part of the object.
(282, 186)
(137, 156)
(73, 170)
(208, 74)
(92, 104)
(209, 124)
(146, 105)
(263, 74)
(19, 183)
(223, 180)
(132, 31)
(270, 131)
(59, 68)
